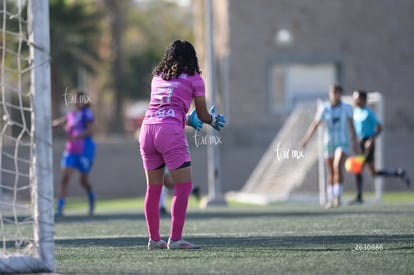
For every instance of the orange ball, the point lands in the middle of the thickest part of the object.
(355, 164)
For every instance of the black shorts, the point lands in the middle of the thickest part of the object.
(369, 156)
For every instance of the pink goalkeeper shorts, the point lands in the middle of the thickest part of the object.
(163, 144)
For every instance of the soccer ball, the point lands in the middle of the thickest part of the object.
(355, 164)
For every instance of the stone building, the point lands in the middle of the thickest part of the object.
(272, 54)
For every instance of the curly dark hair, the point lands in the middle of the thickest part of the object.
(180, 57)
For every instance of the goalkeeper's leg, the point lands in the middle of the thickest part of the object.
(182, 190)
(151, 203)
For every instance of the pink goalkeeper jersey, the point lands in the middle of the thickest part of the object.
(171, 99)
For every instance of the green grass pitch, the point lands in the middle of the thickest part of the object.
(282, 238)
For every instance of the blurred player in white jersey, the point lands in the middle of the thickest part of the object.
(337, 119)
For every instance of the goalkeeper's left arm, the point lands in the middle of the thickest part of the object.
(215, 120)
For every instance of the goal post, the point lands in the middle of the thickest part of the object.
(42, 193)
(26, 179)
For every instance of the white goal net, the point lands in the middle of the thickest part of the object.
(283, 167)
(26, 177)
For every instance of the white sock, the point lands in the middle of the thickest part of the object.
(337, 189)
(163, 196)
(329, 192)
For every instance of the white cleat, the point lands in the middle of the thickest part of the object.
(181, 244)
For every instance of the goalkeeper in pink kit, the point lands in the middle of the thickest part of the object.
(176, 83)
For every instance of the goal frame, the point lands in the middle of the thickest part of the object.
(41, 171)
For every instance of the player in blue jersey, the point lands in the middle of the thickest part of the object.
(368, 127)
(79, 149)
(337, 119)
